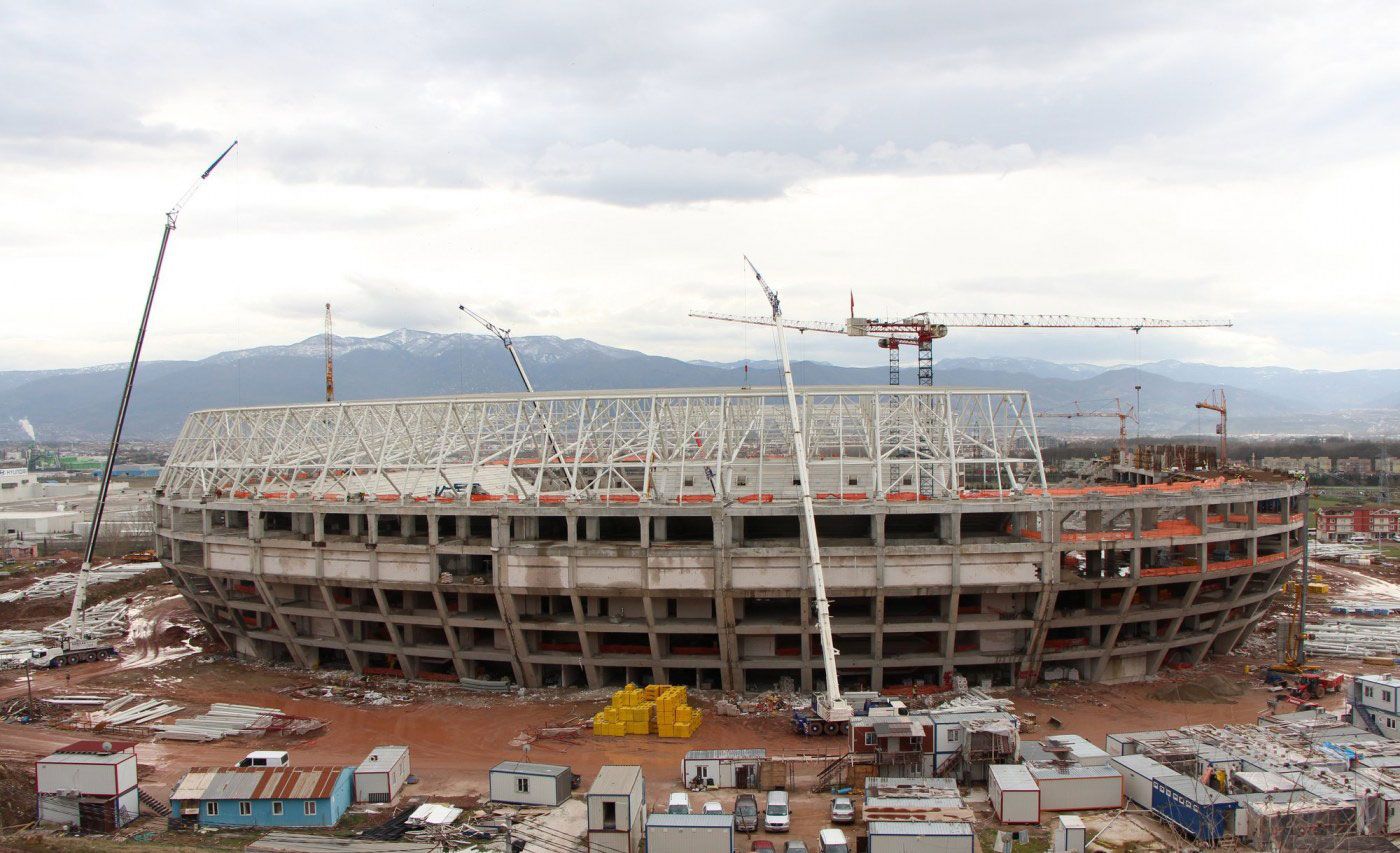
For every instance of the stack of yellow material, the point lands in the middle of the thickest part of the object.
(674, 718)
(609, 722)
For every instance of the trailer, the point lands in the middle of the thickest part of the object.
(1202, 813)
(530, 784)
(722, 768)
(382, 775)
(904, 836)
(1014, 793)
(1070, 834)
(690, 833)
(1138, 772)
(1078, 788)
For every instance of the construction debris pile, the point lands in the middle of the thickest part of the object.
(224, 720)
(658, 709)
(62, 585)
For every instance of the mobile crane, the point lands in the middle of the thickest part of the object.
(78, 644)
(829, 712)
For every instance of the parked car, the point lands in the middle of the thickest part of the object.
(843, 810)
(762, 845)
(679, 803)
(712, 807)
(775, 813)
(796, 845)
(832, 841)
(746, 813)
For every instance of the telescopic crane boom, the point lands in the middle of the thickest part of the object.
(920, 330)
(504, 335)
(832, 707)
(75, 645)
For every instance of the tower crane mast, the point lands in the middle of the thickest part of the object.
(330, 367)
(1212, 405)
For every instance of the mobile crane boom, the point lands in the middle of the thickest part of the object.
(834, 709)
(504, 335)
(76, 645)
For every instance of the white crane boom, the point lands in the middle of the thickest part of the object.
(834, 709)
(504, 335)
(861, 326)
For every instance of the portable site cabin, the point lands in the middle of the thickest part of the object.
(722, 768)
(1070, 834)
(690, 833)
(1126, 743)
(904, 836)
(913, 799)
(1202, 813)
(530, 784)
(1138, 772)
(263, 796)
(89, 784)
(1078, 788)
(381, 776)
(1074, 747)
(616, 809)
(1014, 793)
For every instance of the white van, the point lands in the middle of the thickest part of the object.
(265, 758)
(776, 817)
(832, 841)
(678, 804)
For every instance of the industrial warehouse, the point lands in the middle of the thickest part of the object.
(597, 538)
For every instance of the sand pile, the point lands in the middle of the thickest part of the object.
(1211, 688)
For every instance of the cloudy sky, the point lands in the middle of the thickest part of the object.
(597, 169)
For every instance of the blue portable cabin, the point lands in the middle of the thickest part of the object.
(1202, 813)
(263, 796)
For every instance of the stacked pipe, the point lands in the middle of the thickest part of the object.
(222, 720)
(1354, 638)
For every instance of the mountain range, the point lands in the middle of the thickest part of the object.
(79, 404)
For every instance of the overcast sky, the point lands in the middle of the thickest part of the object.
(596, 170)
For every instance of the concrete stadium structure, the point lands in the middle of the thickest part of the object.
(600, 537)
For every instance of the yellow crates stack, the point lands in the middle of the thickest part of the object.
(609, 722)
(674, 718)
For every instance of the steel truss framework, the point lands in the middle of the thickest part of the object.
(661, 445)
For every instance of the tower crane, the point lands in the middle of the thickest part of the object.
(832, 712)
(1122, 416)
(77, 643)
(504, 335)
(922, 329)
(1220, 427)
(330, 368)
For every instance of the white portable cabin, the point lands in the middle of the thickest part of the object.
(728, 768)
(616, 809)
(90, 784)
(1126, 743)
(690, 833)
(1070, 834)
(905, 836)
(1380, 694)
(530, 784)
(1138, 772)
(381, 776)
(1078, 788)
(1079, 749)
(1014, 793)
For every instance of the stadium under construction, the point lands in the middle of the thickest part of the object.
(596, 538)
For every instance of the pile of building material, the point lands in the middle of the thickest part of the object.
(224, 720)
(62, 585)
(1354, 638)
(121, 712)
(105, 620)
(976, 700)
(659, 709)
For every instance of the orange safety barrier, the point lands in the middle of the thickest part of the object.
(1228, 564)
(508, 498)
(421, 499)
(1240, 518)
(906, 496)
(387, 498)
(841, 496)
(619, 499)
(695, 499)
(764, 498)
(242, 493)
(328, 497)
(553, 499)
(1163, 571)
(446, 499)
(984, 494)
(384, 670)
